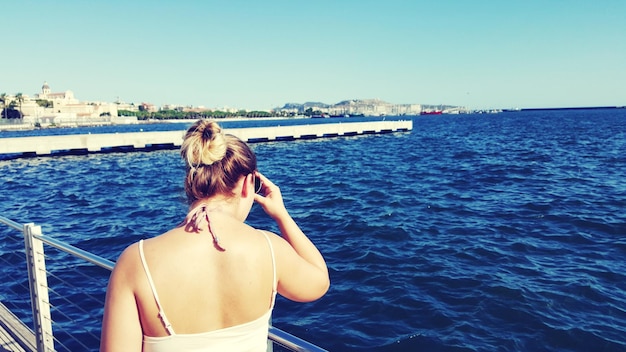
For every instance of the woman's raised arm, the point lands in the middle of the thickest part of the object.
(302, 271)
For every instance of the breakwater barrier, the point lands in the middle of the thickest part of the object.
(77, 144)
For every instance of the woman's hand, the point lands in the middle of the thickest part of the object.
(270, 198)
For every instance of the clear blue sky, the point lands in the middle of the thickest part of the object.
(262, 54)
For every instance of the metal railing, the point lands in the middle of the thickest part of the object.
(68, 323)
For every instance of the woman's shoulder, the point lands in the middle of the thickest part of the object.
(129, 257)
(278, 243)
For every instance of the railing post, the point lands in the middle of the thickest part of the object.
(270, 343)
(38, 283)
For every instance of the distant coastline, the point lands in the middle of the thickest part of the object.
(575, 108)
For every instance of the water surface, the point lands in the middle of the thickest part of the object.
(471, 233)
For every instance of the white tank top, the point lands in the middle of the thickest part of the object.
(250, 336)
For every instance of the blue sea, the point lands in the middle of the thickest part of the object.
(485, 232)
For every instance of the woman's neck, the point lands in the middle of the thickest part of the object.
(218, 204)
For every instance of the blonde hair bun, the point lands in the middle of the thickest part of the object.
(204, 144)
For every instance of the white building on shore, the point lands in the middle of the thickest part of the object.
(62, 108)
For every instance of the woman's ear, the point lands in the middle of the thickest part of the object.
(247, 188)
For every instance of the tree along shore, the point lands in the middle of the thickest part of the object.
(207, 114)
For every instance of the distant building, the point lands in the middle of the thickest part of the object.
(63, 108)
(148, 107)
(64, 98)
(366, 107)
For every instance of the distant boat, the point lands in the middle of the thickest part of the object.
(320, 116)
(432, 112)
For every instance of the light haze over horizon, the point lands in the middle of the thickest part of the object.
(258, 55)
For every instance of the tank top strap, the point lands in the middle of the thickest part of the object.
(166, 323)
(275, 279)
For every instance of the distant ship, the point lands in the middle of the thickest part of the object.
(432, 112)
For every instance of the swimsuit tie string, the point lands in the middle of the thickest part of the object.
(194, 220)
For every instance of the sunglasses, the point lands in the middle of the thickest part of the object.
(258, 185)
